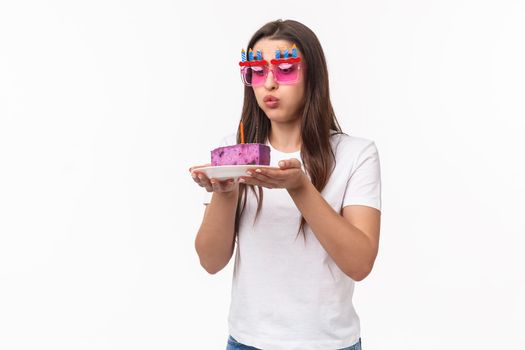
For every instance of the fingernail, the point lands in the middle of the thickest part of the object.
(242, 180)
(281, 163)
(258, 170)
(249, 172)
(212, 181)
(193, 175)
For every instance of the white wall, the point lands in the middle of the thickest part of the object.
(104, 105)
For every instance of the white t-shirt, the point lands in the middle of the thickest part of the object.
(287, 293)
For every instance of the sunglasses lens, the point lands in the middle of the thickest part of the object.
(287, 73)
(254, 76)
(258, 74)
(284, 73)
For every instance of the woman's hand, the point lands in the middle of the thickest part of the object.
(290, 176)
(212, 185)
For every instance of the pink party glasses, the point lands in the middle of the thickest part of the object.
(283, 73)
(285, 70)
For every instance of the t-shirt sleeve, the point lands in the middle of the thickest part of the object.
(364, 185)
(206, 197)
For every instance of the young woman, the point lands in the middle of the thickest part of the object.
(306, 230)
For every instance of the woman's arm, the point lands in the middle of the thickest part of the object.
(350, 238)
(215, 239)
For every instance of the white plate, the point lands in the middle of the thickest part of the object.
(222, 172)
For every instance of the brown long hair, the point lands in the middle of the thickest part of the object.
(318, 117)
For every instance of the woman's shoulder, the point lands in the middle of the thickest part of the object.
(343, 142)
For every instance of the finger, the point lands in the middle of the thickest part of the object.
(206, 184)
(204, 180)
(226, 185)
(248, 180)
(265, 173)
(260, 175)
(214, 185)
(221, 185)
(270, 178)
(290, 163)
(195, 176)
(197, 181)
(255, 181)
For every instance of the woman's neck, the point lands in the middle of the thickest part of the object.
(285, 137)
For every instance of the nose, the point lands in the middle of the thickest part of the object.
(270, 83)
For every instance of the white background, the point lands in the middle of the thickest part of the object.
(104, 105)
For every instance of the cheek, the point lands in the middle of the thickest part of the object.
(295, 97)
(259, 94)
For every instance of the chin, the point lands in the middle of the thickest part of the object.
(280, 117)
(274, 114)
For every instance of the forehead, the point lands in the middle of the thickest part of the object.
(268, 46)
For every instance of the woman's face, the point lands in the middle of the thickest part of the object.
(284, 102)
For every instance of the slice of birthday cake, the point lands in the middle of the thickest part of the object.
(241, 154)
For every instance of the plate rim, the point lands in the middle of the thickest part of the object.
(230, 167)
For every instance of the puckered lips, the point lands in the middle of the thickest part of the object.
(271, 101)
